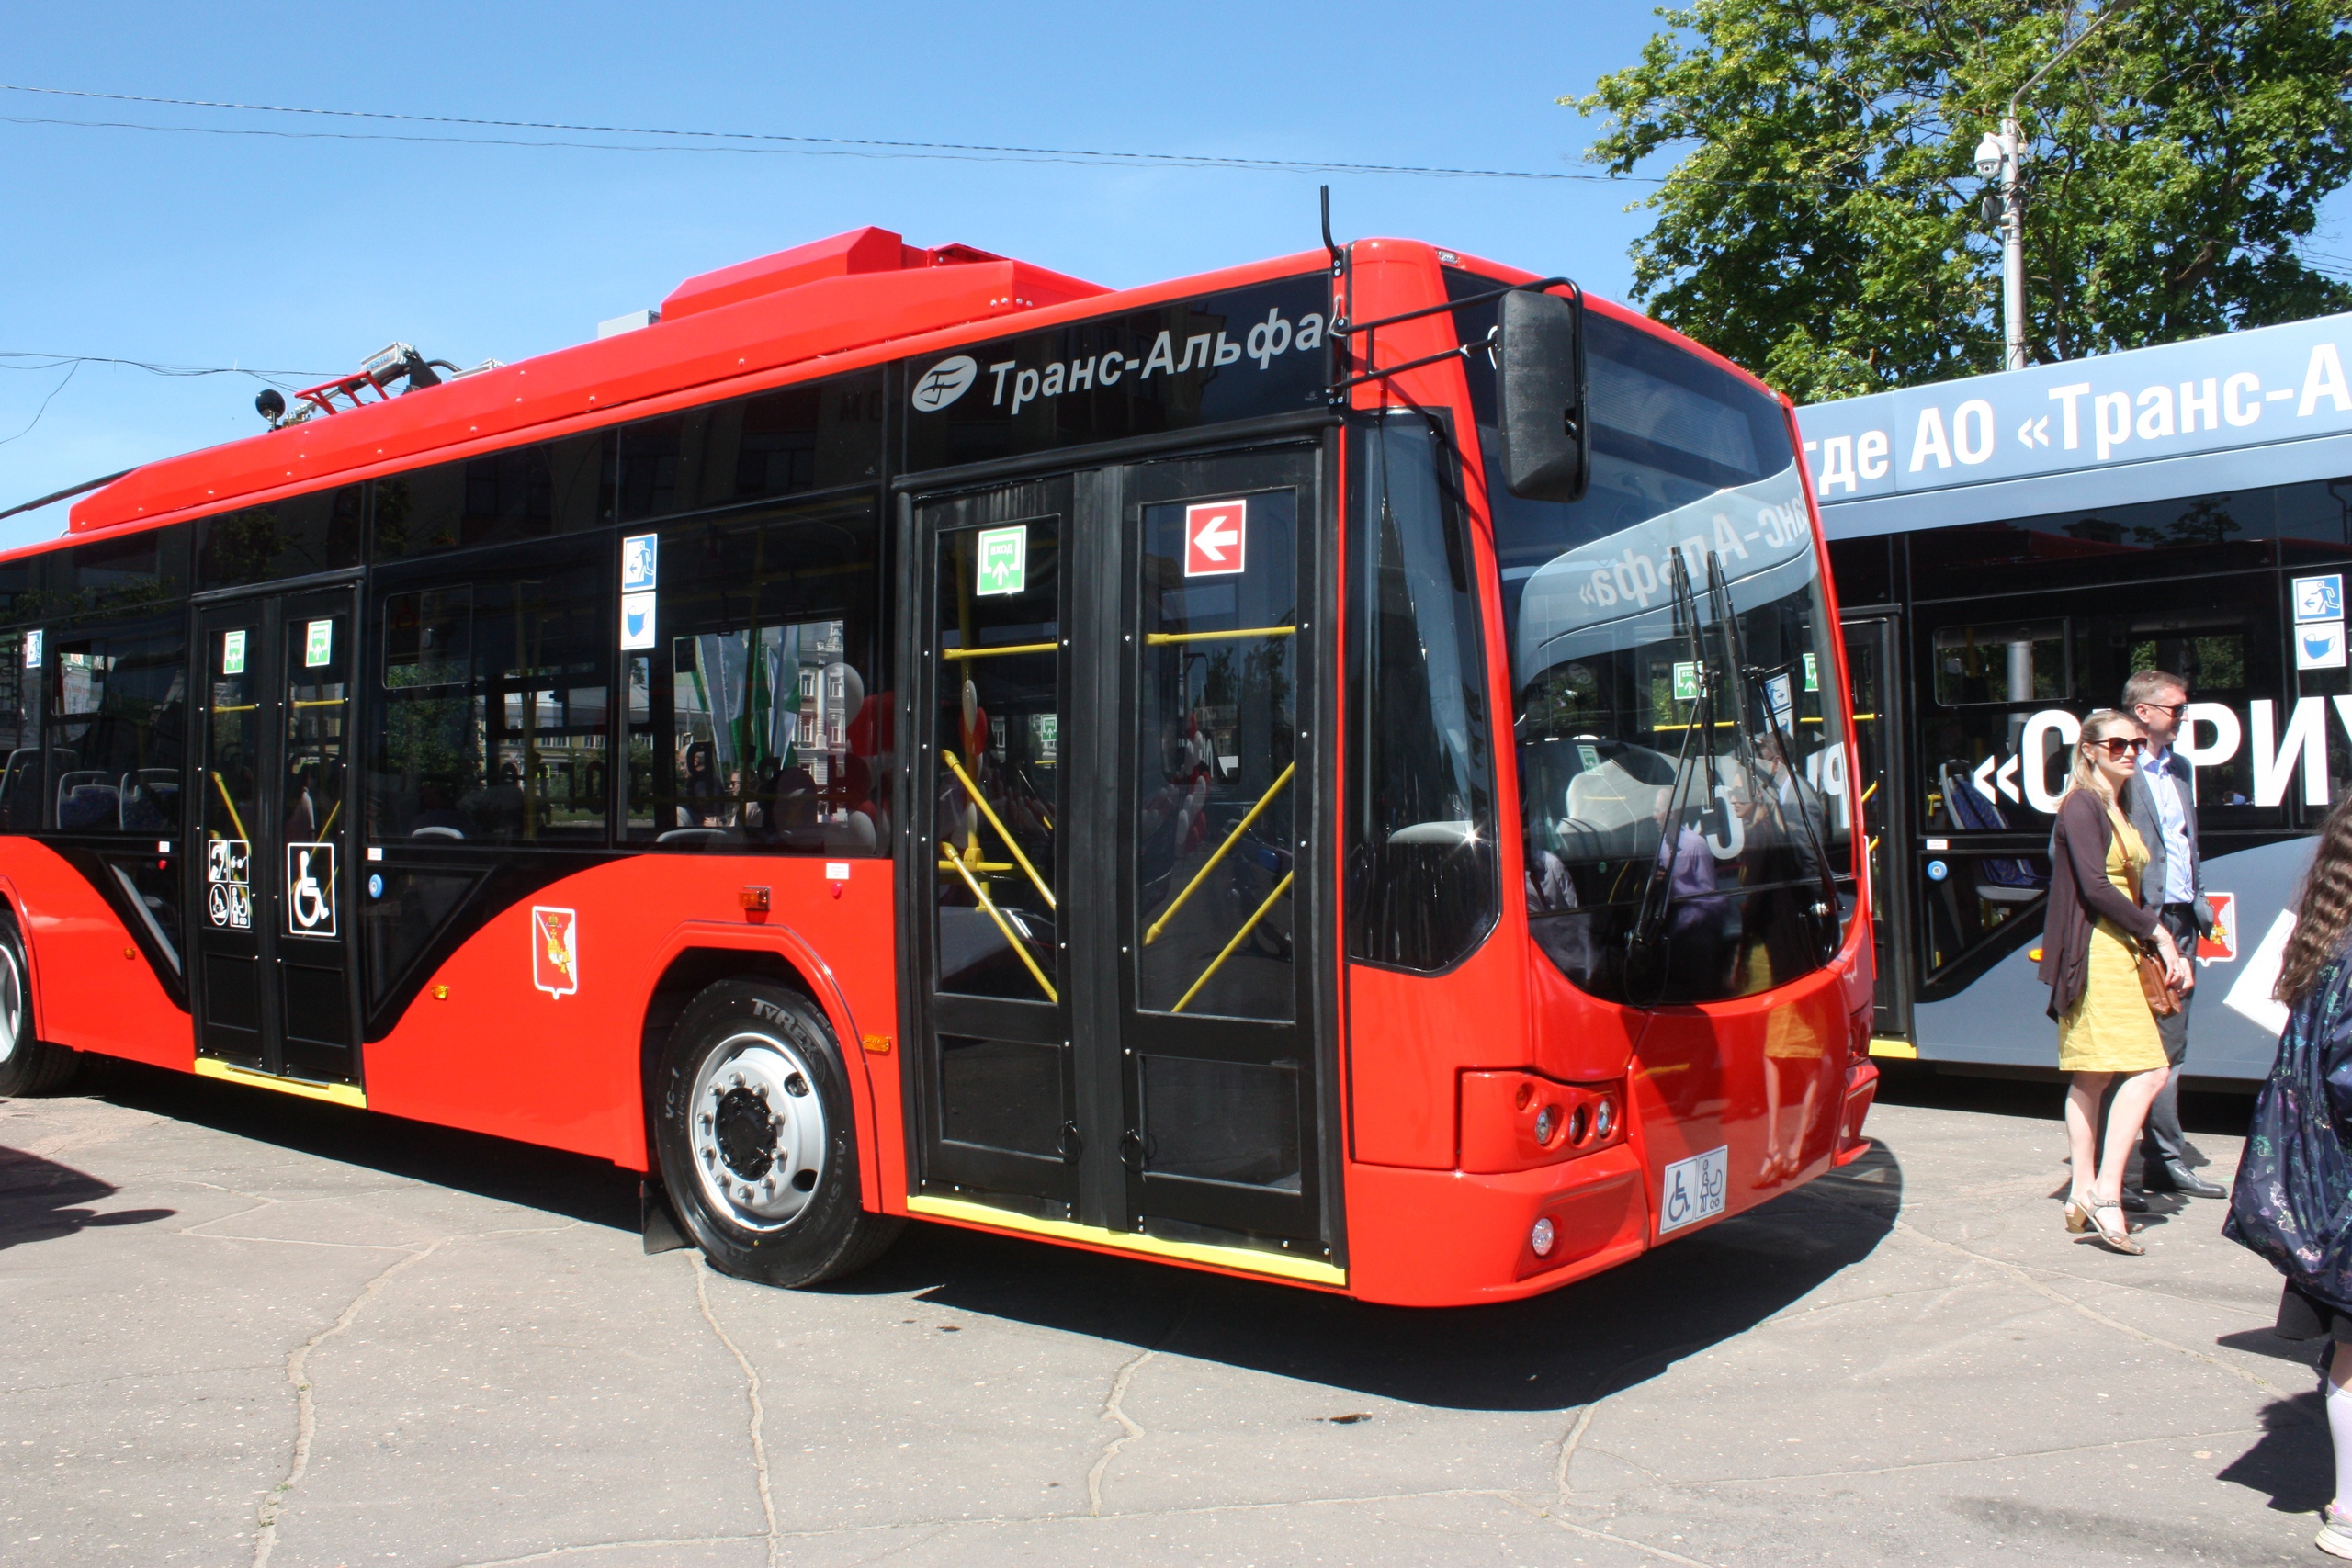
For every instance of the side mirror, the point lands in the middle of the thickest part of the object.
(1539, 376)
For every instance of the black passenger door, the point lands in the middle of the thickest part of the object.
(1219, 943)
(998, 1092)
(1114, 930)
(272, 920)
(1871, 647)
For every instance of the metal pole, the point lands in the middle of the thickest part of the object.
(2012, 248)
(2013, 196)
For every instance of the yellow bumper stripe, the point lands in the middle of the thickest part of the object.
(340, 1093)
(1312, 1270)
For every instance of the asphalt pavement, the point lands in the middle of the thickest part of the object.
(237, 1328)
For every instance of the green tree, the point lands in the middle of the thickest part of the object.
(1822, 228)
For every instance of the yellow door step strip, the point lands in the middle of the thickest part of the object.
(1311, 1270)
(340, 1093)
(1903, 1050)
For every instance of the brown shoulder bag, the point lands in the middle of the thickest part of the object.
(2155, 982)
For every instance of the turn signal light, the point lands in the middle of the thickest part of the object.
(754, 898)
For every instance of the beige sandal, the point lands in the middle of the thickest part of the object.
(2117, 1237)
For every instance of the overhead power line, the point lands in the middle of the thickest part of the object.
(678, 140)
(30, 359)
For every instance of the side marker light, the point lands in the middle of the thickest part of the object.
(1540, 1238)
(755, 898)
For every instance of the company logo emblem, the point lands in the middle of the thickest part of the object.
(944, 382)
(1217, 538)
(555, 951)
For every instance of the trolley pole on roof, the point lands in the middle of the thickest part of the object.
(1997, 158)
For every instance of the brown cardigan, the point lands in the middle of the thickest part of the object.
(2080, 894)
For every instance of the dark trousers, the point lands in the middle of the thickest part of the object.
(2162, 1139)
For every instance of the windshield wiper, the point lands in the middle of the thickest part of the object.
(1756, 690)
(1646, 942)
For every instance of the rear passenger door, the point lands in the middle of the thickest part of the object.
(272, 923)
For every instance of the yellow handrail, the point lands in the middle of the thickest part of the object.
(236, 822)
(1239, 828)
(995, 652)
(948, 860)
(1155, 639)
(973, 790)
(1247, 927)
(1018, 950)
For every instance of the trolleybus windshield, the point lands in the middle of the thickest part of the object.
(1681, 762)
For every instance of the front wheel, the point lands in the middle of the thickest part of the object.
(758, 1141)
(27, 1065)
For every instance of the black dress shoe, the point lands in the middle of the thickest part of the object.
(2171, 1176)
(2134, 1202)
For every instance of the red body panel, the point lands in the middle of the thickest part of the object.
(92, 989)
(500, 1056)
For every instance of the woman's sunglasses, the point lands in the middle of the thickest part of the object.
(2117, 745)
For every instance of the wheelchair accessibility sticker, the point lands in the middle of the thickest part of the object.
(555, 951)
(1694, 1188)
(228, 884)
(309, 889)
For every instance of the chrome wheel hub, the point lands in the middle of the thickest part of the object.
(12, 1002)
(758, 1132)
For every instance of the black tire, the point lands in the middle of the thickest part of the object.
(757, 1138)
(27, 1066)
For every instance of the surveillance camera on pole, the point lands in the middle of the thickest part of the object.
(1998, 157)
(1997, 160)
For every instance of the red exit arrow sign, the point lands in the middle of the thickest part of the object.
(1216, 537)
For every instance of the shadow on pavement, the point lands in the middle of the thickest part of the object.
(41, 1200)
(2291, 1460)
(575, 1186)
(1568, 1348)
(1565, 1348)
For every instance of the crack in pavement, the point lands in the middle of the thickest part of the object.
(2025, 1277)
(1964, 1459)
(751, 1390)
(555, 1552)
(305, 1408)
(1114, 1409)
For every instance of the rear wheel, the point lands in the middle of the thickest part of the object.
(27, 1065)
(758, 1142)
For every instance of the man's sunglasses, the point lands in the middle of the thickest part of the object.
(2117, 745)
(2175, 709)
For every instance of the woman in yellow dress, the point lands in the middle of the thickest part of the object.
(2094, 933)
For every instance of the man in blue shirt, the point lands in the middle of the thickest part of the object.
(2161, 801)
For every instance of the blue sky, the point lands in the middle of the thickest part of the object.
(303, 254)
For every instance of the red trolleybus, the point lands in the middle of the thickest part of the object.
(1330, 771)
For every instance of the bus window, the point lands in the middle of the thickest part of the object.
(492, 722)
(318, 532)
(1682, 768)
(20, 781)
(758, 721)
(1422, 874)
(816, 436)
(2018, 663)
(525, 492)
(118, 728)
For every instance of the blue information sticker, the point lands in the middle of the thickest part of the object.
(376, 885)
(2319, 598)
(1938, 870)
